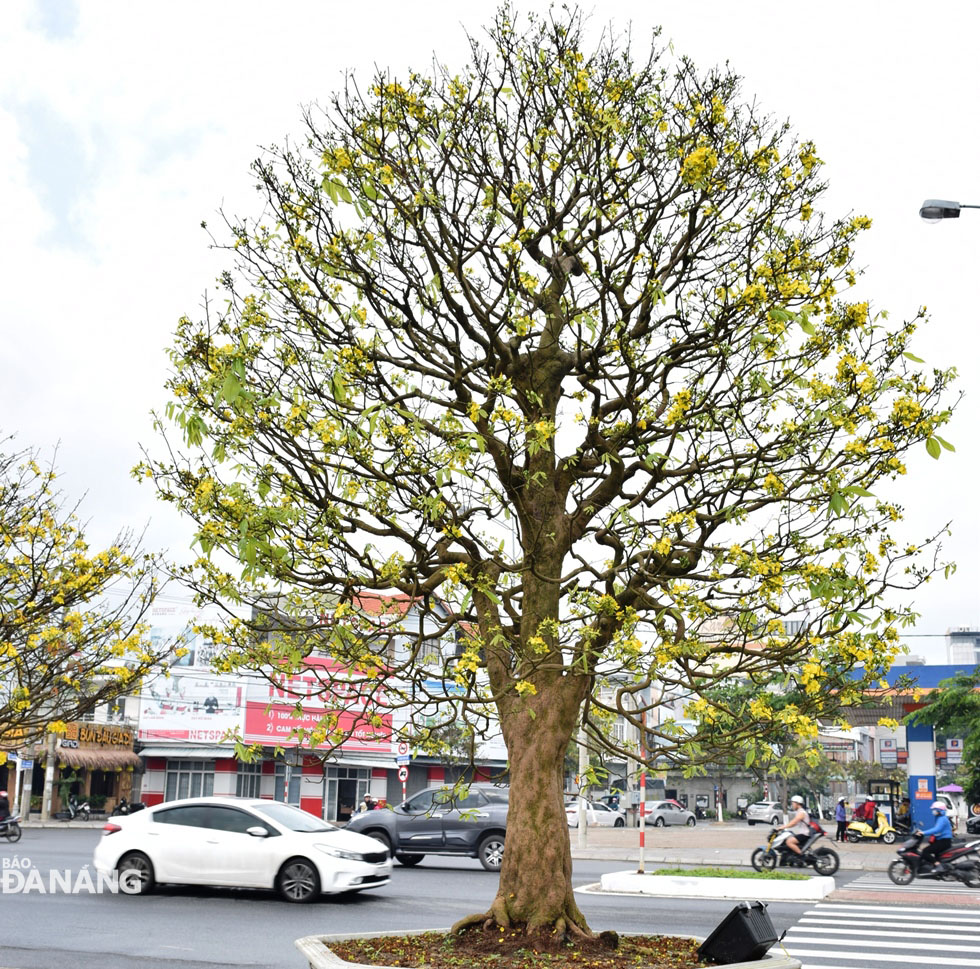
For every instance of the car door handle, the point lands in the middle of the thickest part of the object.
(435, 815)
(211, 841)
(481, 815)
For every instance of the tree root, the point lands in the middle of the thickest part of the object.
(565, 926)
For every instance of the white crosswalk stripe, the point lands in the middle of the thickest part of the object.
(878, 881)
(840, 935)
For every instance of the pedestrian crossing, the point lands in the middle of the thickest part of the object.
(852, 936)
(878, 881)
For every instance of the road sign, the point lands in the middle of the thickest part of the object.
(403, 773)
(403, 748)
(402, 759)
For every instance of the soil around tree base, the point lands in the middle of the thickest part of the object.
(513, 949)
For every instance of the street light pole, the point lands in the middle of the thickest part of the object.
(935, 210)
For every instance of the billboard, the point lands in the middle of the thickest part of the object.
(194, 708)
(270, 712)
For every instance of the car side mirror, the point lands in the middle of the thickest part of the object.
(257, 831)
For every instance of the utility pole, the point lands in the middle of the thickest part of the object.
(583, 767)
(52, 743)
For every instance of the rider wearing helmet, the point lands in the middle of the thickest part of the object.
(866, 812)
(940, 835)
(798, 825)
(4, 806)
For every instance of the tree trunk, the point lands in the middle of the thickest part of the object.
(535, 890)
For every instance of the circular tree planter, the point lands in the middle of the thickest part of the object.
(315, 949)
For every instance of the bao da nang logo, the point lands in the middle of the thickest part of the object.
(18, 876)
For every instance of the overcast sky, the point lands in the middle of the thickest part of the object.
(124, 125)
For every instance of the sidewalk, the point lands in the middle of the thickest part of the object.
(710, 843)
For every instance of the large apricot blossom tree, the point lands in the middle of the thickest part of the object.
(561, 340)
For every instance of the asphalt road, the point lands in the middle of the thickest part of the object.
(195, 928)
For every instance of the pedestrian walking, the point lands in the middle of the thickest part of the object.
(840, 816)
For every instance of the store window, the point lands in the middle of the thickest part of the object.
(189, 778)
(249, 782)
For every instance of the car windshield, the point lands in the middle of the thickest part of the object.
(292, 818)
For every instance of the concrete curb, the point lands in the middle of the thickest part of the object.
(811, 889)
(66, 825)
(715, 859)
(314, 949)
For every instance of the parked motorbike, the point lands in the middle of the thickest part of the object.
(862, 831)
(126, 807)
(10, 828)
(777, 854)
(961, 863)
(78, 811)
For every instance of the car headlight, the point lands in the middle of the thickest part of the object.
(340, 853)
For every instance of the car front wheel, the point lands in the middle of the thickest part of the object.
(751, 824)
(659, 823)
(774, 820)
(491, 852)
(619, 823)
(135, 874)
(298, 881)
(691, 822)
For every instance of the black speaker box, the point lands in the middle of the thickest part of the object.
(744, 934)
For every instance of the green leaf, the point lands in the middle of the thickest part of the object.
(808, 328)
(912, 357)
(750, 757)
(837, 503)
(231, 388)
(944, 443)
(933, 447)
(857, 490)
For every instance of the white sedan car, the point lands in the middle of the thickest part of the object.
(595, 813)
(239, 842)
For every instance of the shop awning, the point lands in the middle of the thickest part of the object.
(180, 752)
(94, 759)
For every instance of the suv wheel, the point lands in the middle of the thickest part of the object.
(381, 836)
(491, 852)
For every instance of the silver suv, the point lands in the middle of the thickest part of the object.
(764, 812)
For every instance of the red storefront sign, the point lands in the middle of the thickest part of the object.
(274, 725)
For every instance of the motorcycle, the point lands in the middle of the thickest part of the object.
(10, 828)
(960, 863)
(76, 811)
(776, 853)
(126, 807)
(862, 831)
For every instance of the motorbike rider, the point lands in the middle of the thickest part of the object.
(866, 812)
(798, 825)
(4, 806)
(940, 836)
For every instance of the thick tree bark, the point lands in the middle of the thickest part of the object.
(535, 890)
